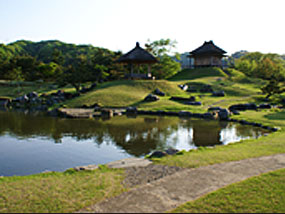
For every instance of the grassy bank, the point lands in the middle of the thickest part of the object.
(261, 194)
(56, 192)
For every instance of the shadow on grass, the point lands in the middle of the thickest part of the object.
(276, 116)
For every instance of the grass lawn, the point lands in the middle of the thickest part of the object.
(58, 192)
(261, 194)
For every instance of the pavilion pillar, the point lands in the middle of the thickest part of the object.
(132, 69)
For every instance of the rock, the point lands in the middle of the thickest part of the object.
(193, 103)
(171, 151)
(107, 113)
(183, 87)
(84, 90)
(32, 95)
(184, 114)
(23, 99)
(171, 113)
(206, 89)
(223, 114)
(160, 112)
(192, 89)
(4, 102)
(209, 115)
(68, 95)
(214, 109)
(158, 154)
(131, 110)
(158, 92)
(265, 106)
(274, 129)
(191, 99)
(53, 113)
(251, 106)
(243, 107)
(197, 115)
(94, 85)
(218, 94)
(235, 112)
(60, 93)
(151, 98)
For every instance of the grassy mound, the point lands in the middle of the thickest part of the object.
(125, 93)
(190, 74)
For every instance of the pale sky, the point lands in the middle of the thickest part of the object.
(252, 25)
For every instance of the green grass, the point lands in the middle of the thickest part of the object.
(189, 74)
(58, 192)
(261, 194)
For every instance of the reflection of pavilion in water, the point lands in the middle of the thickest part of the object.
(207, 133)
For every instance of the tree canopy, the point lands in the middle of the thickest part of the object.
(162, 49)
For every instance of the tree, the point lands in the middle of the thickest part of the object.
(272, 88)
(167, 66)
(76, 73)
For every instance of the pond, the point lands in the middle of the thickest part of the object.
(33, 143)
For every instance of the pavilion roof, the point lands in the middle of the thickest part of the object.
(137, 56)
(208, 48)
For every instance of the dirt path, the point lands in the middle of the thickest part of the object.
(186, 185)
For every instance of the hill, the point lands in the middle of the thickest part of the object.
(44, 51)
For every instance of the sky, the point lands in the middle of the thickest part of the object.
(233, 25)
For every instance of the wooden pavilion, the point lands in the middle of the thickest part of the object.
(136, 57)
(208, 55)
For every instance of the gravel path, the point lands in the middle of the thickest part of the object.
(147, 174)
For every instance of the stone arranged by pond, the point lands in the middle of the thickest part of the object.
(35, 143)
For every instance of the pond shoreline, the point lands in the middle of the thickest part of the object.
(132, 112)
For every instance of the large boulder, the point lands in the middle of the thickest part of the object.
(151, 97)
(223, 114)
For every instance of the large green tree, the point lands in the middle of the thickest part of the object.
(166, 66)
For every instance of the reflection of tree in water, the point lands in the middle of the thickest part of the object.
(248, 131)
(137, 136)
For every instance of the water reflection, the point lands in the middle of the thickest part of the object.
(113, 139)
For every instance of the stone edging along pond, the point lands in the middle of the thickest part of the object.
(214, 113)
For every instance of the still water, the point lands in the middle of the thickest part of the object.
(35, 143)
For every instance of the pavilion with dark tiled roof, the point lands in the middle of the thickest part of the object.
(208, 55)
(138, 56)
